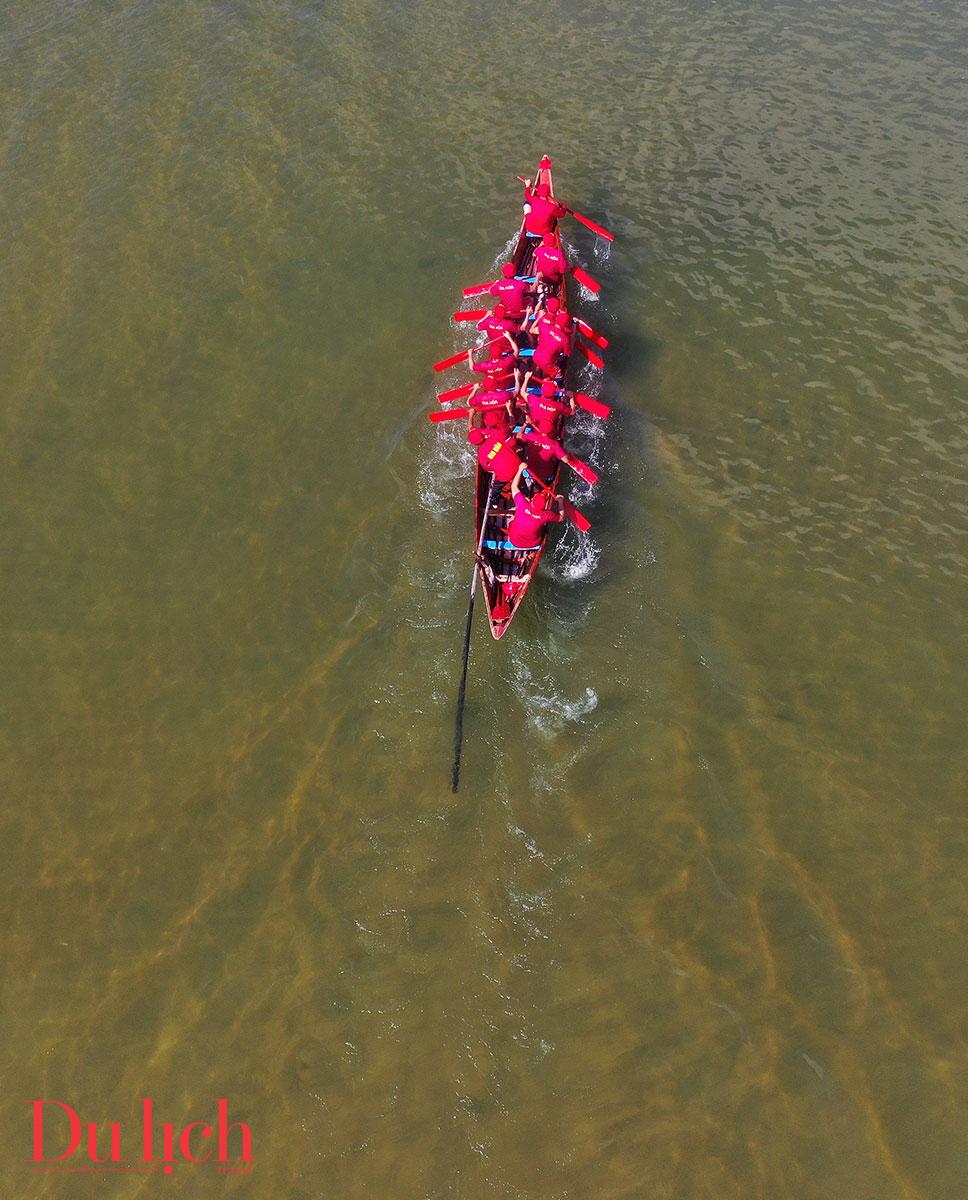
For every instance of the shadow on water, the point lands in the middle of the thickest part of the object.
(622, 448)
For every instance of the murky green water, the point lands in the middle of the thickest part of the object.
(693, 927)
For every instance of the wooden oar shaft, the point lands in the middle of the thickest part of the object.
(462, 690)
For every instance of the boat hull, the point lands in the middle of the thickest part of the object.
(505, 575)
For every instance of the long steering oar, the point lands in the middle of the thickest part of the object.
(462, 690)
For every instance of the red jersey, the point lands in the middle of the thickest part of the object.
(547, 360)
(550, 262)
(497, 372)
(541, 452)
(528, 522)
(552, 338)
(496, 453)
(514, 294)
(543, 214)
(544, 411)
(494, 405)
(496, 327)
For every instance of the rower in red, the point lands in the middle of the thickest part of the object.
(541, 452)
(512, 292)
(541, 210)
(495, 453)
(546, 409)
(549, 263)
(531, 514)
(499, 371)
(499, 329)
(556, 340)
(496, 407)
(545, 312)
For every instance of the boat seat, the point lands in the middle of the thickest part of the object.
(493, 545)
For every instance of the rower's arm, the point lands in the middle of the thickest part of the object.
(516, 481)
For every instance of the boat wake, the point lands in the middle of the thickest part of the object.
(549, 711)
(443, 477)
(575, 557)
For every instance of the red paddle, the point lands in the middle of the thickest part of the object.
(477, 290)
(589, 224)
(578, 519)
(457, 393)
(591, 355)
(609, 237)
(590, 404)
(582, 469)
(449, 414)
(473, 314)
(586, 280)
(599, 339)
(462, 357)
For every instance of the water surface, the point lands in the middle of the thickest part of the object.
(692, 927)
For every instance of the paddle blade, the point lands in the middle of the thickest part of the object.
(477, 290)
(589, 224)
(591, 355)
(449, 414)
(599, 339)
(582, 470)
(590, 404)
(456, 393)
(579, 520)
(471, 314)
(451, 362)
(586, 280)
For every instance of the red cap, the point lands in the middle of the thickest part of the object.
(542, 500)
(499, 309)
(549, 388)
(545, 164)
(548, 239)
(563, 320)
(543, 190)
(475, 436)
(508, 270)
(553, 304)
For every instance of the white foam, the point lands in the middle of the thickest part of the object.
(575, 556)
(547, 708)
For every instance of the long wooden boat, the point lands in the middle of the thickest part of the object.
(506, 573)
